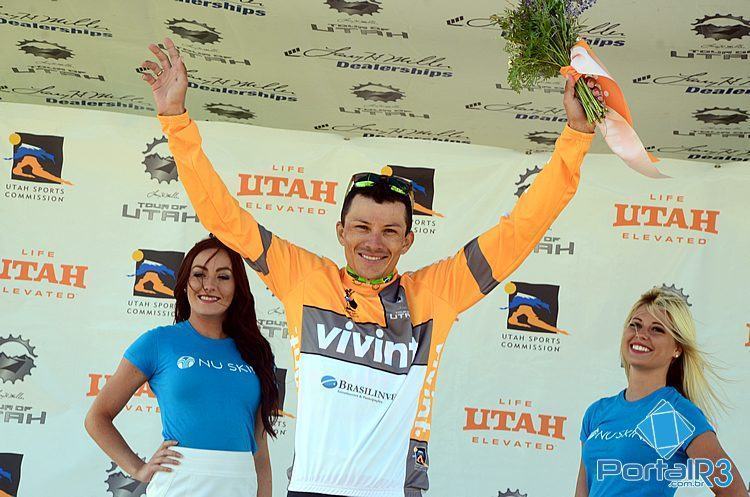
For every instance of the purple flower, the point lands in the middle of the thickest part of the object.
(575, 8)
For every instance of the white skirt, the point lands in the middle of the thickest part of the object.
(207, 473)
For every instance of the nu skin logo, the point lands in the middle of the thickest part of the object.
(186, 362)
(361, 344)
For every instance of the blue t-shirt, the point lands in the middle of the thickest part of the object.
(614, 428)
(208, 395)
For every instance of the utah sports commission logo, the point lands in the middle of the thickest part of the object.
(155, 273)
(10, 474)
(423, 182)
(533, 307)
(37, 158)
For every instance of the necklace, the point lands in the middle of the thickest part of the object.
(375, 282)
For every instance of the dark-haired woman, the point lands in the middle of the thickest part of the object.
(213, 375)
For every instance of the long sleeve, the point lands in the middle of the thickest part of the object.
(462, 280)
(279, 263)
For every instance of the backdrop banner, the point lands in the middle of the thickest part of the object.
(95, 224)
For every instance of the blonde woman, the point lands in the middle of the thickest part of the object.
(644, 440)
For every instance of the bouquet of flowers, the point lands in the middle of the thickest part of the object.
(540, 35)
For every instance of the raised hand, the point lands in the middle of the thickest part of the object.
(169, 79)
(158, 462)
(573, 108)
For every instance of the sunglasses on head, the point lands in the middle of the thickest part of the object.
(397, 184)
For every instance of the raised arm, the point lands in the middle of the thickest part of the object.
(485, 261)
(279, 263)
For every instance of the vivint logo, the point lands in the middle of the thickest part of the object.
(360, 344)
(185, 362)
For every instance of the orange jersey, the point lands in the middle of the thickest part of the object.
(366, 371)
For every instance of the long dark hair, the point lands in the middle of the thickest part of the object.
(239, 323)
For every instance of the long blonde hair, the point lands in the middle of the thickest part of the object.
(688, 374)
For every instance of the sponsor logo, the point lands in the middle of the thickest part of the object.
(719, 122)
(355, 8)
(533, 307)
(51, 94)
(722, 27)
(677, 291)
(274, 326)
(522, 426)
(54, 59)
(155, 273)
(511, 493)
(201, 41)
(525, 180)
(14, 367)
(722, 36)
(36, 159)
(17, 359)
(10, 473)
(665, 429)
(289, 189)
(361, 344)
(45, 49)
(121, 485)
(55, 23)
(42, 277)
(666, 218)
(423, 182)
(274, 91)
(380, 100)
(360, 391)
(346, 57)
(185, 362)
(419, 454)
(359, 21)
(241, 7)
(700, 83)
(703, 153)
(194, 31)
(547, 138)
(604, 34)
(143, 400)
(161, 168)
(523, 111)
(372, 130)
(230, 111)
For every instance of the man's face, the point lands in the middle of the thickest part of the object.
(374, 236)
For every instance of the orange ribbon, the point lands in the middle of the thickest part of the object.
(569, 71)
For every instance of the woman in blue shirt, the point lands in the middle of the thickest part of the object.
(213, 375)
(641, 441)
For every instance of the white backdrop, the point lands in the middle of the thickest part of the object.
(58, 340)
